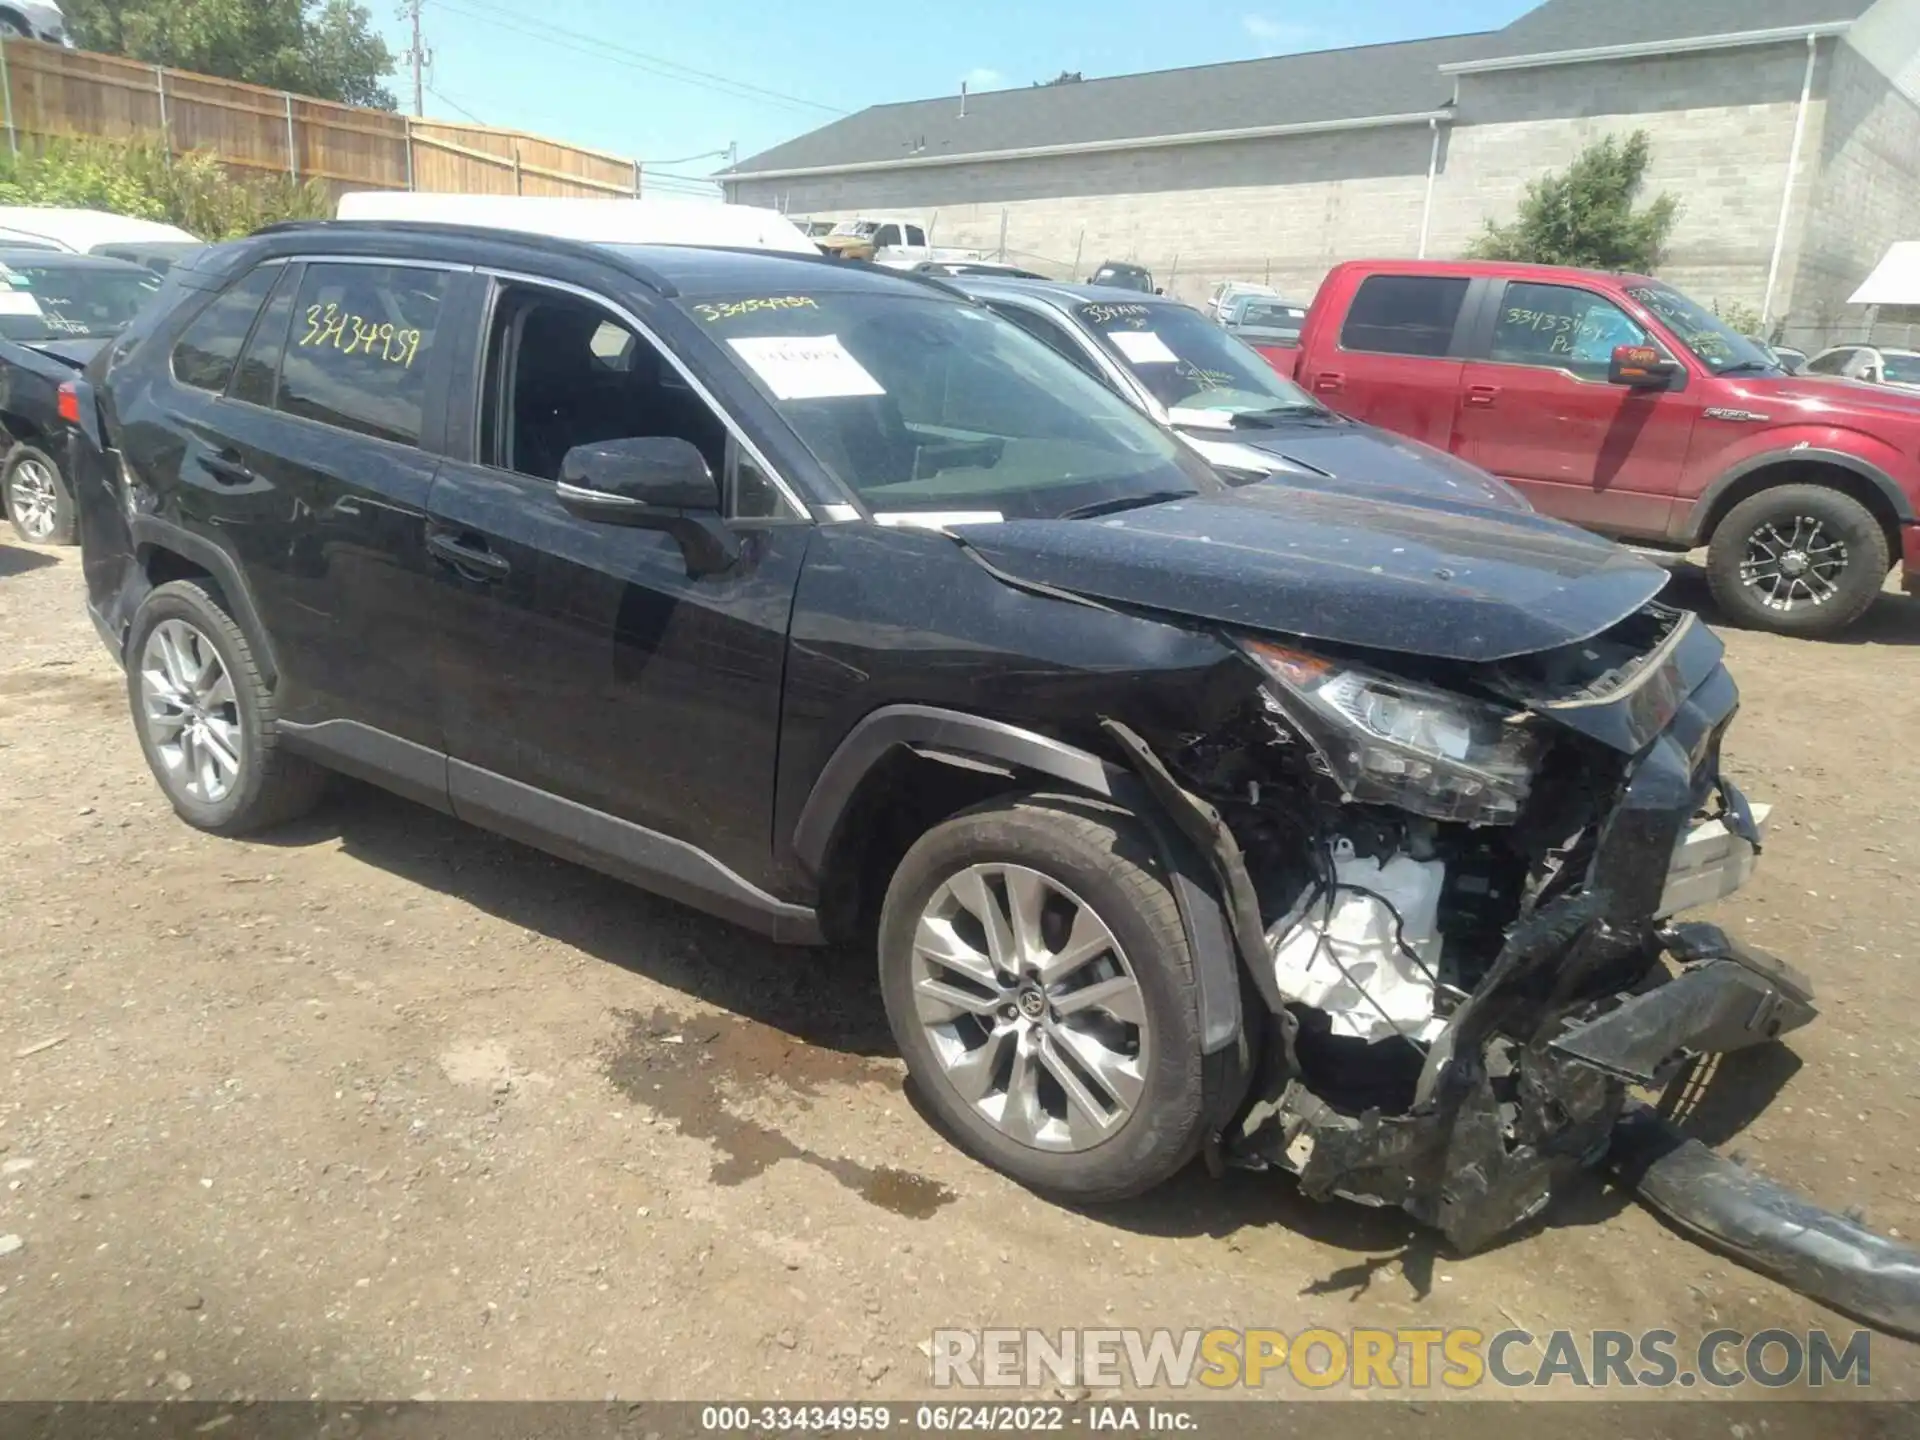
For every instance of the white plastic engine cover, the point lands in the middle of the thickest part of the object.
(1382, 992)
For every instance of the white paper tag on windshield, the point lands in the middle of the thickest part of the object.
(18, 302)
(1143, 347)
(806, 367)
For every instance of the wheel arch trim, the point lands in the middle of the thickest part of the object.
(1709, 507)
(151, 532)
(924, 727)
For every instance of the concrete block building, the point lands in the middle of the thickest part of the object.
(1789, 129)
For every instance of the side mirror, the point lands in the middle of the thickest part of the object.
(1158, 291)
(655, 482)
(1640, 367)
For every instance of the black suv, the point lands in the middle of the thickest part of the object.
(1327, 833)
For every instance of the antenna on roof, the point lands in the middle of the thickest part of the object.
(963, 99)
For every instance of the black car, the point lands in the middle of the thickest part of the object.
(1228, 403)
(1121, 275)
(1323, 833)
(56, 313)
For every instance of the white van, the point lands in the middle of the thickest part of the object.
(81, 232)
(626, 222)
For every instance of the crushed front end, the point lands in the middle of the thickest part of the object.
(1465, 878)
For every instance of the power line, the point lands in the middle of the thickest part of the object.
(447, 99)
(593, 46)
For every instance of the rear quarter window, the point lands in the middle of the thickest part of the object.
(204, 355)
(1404, 314)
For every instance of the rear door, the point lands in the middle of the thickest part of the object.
(1537, 410)
(1396, 362)
(291, 435)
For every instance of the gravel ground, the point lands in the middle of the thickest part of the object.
(384, 1107)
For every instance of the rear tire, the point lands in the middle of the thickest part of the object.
(1081, 1079)
(39, 504)
(1798, 560)
(208, 724)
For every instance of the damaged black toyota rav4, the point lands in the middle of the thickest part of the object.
(1311, 832)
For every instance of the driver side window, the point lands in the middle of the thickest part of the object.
(562, 372)
(1563, 328)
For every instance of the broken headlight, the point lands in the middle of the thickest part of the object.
(1388, 741)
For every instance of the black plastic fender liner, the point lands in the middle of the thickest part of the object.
(1767, 1227)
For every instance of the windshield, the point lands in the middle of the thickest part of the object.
(1189, 363)
(865, 229)
(70, 302)
(1124, 279)
(927, 405)
(1717, 344)
(1902, 369)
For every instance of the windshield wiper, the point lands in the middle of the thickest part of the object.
(1752, 367)
(1125, 502)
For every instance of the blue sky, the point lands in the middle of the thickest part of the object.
(615, 74)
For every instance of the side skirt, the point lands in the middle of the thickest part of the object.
(566, 828)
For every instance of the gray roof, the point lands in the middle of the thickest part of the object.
(1318, 87)
(1589, 24)
(1284, 90)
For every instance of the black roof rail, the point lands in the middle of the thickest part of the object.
(645, 274)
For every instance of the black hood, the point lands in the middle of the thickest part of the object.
(1452, 582)
(1333, 453)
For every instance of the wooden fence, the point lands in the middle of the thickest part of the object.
(49, 92)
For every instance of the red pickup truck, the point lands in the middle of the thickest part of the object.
(1616, 402)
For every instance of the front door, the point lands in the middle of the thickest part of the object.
(586, 673)
(1537, 411)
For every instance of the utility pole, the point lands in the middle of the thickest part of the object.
(417, 58)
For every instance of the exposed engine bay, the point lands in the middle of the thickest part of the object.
(1455, 901)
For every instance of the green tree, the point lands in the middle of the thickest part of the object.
(1585, 216)
(192, 191)
(323, 48)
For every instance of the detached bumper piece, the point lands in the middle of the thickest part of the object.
(1504, 1124)
(1732, 998)
(1819, 1254)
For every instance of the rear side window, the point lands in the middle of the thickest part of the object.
(1404, 315)
(205, 354)
(359, 345)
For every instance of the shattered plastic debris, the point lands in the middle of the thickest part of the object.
(1351, 959)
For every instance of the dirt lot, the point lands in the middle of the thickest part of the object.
(388, 1107)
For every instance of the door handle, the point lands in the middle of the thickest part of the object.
(1482, 394)
(469, 555)
(227, 469)
(1329, 381)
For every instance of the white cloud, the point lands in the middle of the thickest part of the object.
(1278, 34)
(981, 78)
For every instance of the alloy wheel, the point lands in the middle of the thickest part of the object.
(33, 497)
(1031, 1007)
(1793, 564)
(191, 713)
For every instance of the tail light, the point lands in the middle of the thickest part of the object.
(69, 403)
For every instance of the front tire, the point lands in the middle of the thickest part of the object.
(1798, 560)
(1039, 984)
(39, 505)
(208, 723)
